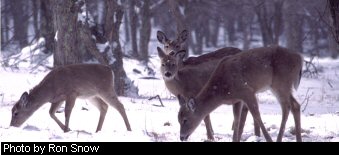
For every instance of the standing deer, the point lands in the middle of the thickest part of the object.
(237, 79)
(186, 84)
(92, 81)
(184, 79)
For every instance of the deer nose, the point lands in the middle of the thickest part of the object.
(168, 74)
(171, 53)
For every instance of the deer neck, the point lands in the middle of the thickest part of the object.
(176, 85)
(39, 95)
(207, 102)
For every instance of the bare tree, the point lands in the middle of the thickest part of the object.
(19, 10)
(65, 23)
(36, 11)
(334, 9)
(5, 7)
(294, 29)
(145, 31)
(133, 21)
(114, 15)
(179, 19)
(334, 38)
(47, 26)
(270, 26)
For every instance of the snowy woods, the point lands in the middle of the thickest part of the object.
(40, 35)
(107, 30)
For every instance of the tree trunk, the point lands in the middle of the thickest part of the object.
(20, 21)
(47, 28)
(199, 40)
(214, 33)
(230, 29)
(278, 20)
(246, 21)
(133, 17)
(265, 24)
(127, 22)
(179, 20)
(145, 31)
(65, 23)
(334, 10)
(114, 15)
(4, 23)
(333, 47)
(333, 37)
(36, 21)
(294, 31)
(207, 32)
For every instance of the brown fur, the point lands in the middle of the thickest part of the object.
(188, 77)
(91, 81)
(238, 79)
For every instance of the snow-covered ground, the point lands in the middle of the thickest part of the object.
(318, 96)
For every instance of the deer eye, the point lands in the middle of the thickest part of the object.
(177, 46)
(166, 46)
(171, 53)
(15, 114)
(184, 121)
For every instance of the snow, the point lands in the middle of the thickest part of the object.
(318, 96)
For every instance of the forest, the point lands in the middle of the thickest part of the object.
(124, 28)
(129, 37)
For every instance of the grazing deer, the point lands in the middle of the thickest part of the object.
(186, 78)
(67, 83)
(194, 63)
(237, 79)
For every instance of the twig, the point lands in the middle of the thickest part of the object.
(310, 68)
(329, 83)
(2, 97)
(157, 96)
(307, 98)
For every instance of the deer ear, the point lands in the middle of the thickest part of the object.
(181, 54)
(161, 53)
(183, 36)
(191, 104)
(24, 99)
(182, 101)
(161, 37)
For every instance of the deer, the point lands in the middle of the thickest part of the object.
(178, 80)
(94, 82)
(237, 79)
(171, 47)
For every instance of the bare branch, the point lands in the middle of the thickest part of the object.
(157, 96)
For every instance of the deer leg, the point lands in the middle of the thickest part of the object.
(102, 106)
(209, 128)
(252, 106)
(114, 101)
(236, 114)
(285, 107)
(52, 110)
(296, 115)
(235, 109)
(70, 101)
(243, 116)
(256, 128)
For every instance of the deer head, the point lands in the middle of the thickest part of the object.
(172, 46)
(170, 64)
(188, 119)
(21, 110)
